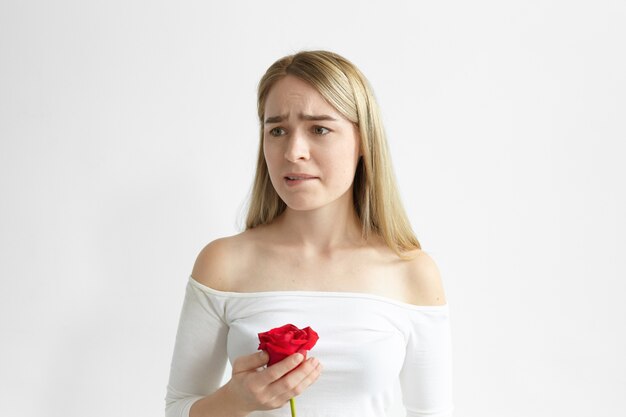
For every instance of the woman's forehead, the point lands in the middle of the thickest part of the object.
(292, 95)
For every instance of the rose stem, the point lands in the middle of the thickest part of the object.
(292, 402)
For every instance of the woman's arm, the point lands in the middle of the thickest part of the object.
(426, 376)
(199, 357)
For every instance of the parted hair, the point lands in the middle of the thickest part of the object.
(376, 199)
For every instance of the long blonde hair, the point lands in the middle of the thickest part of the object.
(375, 194)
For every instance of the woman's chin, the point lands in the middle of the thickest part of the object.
(302, 206)
(303, 203)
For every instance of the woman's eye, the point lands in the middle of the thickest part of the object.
(319, 130)
(276, 131)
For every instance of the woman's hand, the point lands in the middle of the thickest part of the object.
(273, 386)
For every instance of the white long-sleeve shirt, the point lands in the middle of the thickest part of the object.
(366, 344)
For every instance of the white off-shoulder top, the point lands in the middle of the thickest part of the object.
(366, 344)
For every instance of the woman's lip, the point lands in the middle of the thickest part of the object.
(299, 176)
(299, 181)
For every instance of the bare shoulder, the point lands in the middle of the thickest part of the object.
(218, 262)
(423, 280)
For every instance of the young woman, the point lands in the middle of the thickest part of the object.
(327, 245)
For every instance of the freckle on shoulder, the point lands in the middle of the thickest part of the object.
(423, 280)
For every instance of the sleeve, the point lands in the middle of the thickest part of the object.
(426, 375)
(200, 356)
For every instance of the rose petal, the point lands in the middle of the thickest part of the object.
(283, 341)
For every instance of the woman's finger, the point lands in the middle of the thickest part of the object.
(278, 370)
(294, 383)
(250, 362)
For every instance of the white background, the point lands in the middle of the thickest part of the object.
(129, 137)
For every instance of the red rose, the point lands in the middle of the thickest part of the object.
(286, 340)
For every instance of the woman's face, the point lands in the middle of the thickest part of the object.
(311, 150)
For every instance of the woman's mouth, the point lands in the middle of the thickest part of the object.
(299, 179)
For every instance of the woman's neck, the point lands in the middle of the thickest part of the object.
(322, 230)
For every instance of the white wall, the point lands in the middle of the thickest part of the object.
(128, 139)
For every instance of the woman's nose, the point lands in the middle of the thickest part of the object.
(297, 147)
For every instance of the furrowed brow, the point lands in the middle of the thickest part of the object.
(317, 117)
(275, 119)
(278, 119)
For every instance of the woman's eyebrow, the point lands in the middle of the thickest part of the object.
(278, 119)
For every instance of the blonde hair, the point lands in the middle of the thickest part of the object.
(376, 199)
